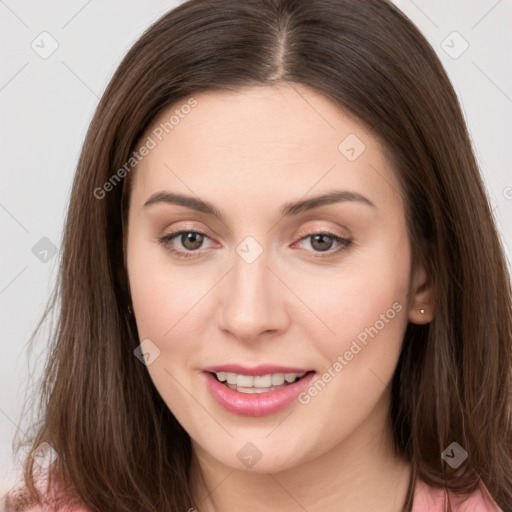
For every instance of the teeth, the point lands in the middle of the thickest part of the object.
(244, 381)
(277, 379)
(253, 391)
(257, 383)
(264, 381)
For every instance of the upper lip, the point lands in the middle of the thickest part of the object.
(262, 369)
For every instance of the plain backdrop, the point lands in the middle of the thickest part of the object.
(56, 59)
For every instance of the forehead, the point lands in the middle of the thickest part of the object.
(261, 141)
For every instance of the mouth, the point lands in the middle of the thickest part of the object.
(260, 394)
(255, 384)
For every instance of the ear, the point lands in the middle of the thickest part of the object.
(421, 297)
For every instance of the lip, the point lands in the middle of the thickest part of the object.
(262, 369)
(257, 404)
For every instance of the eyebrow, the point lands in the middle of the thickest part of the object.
(287, 210)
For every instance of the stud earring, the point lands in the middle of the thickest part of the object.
(422, 311)
(130, 310)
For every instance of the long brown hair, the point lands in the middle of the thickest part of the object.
(119, 447)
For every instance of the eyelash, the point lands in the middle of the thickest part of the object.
(344, 243)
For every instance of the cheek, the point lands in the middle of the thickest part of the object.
(365, 306)
(162, 293)
(161, 301)
(166, 302)
(362, 288)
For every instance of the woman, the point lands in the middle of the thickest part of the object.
(281, 285)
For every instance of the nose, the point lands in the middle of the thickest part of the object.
(253, 300)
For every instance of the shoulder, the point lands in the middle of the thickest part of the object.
(435, 499)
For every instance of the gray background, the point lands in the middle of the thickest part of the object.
(47, 103)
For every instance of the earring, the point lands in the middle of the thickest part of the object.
(422, 311)
(130, 310)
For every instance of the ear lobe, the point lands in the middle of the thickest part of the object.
(421, 306)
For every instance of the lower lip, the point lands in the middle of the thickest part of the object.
(255, 404)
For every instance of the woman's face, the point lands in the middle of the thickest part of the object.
(268, 289)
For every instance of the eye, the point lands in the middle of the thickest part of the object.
(190, 240)
(322, 242)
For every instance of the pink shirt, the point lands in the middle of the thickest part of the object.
(434, 499)
(426, 499)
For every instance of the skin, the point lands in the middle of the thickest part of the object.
(248, 153)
